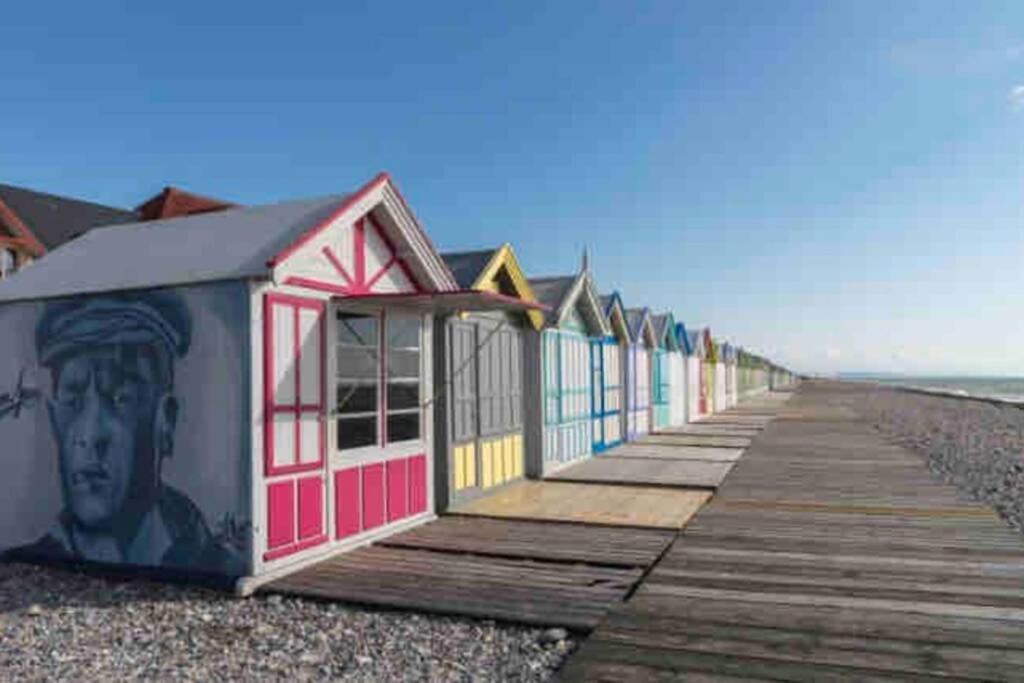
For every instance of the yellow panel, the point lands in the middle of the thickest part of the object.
(517, 460)
(458, 464)
(498, 461)
(488, 473)
(470, 464)
(510, 456)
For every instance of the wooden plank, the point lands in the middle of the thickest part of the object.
(827, 554)
(635, 506)
(642, 449)
(575, 596)
(658, 472)
(550, 541)
(708, 441)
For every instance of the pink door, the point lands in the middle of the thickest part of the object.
(294, 399)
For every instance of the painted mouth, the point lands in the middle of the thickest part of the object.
(90, 479)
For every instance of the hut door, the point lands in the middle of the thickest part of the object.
(462, 455)
(294, 445)
(597, 384)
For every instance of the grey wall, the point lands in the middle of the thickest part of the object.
(143, 398)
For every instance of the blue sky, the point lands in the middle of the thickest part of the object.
(835, 184)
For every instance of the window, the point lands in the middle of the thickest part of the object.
(358, 358)
(403, 364)
(368, 349)
(8, 262)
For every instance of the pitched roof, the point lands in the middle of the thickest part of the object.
(466, 266)
(55, 220)
(172, 202)
(664, 329)
(225, 245)
(551, 291)
(683, 337)
(635, 319)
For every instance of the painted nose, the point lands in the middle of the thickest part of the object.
(91, 429)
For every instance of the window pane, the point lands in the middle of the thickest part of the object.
(403, 395)
(357, 330)
(403, 332)
(357, 398)
(404, 364)
(356, 363)
(404, 427)
(357, 431)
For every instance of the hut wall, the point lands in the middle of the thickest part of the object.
(123, 419)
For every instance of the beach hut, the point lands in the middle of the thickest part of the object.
(665, 367)
(691, 370)
(609, 373)
(638, 372)
(729, 363)
(677, 370)
(226, 395)
(479, 355)
(558, 410)
(719, 382)
(707, 372)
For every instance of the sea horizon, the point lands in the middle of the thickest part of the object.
(1001, 387)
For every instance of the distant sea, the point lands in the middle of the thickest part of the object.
(1003, 388)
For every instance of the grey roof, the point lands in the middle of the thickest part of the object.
(466, 266)
(660, 323)
(227, 245)
(551, 291)
(635, 318)
(55, 220)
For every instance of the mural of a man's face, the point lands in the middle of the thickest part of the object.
(112, 421)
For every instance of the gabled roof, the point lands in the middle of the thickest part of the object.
(562, 294)
(711, 348)
(52, 220)
(239, 243)
(466, 266)
(640, 327)
(615, 315)
(665, 331)
(698, 344)
(483, 270)
(172, 202)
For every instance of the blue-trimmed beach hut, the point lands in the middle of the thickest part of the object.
(608, 399)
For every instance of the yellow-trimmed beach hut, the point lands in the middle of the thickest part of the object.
(479, 443)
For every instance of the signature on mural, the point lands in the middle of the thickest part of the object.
(113, 411)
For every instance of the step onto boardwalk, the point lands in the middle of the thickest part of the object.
(827, 554)
(678, 473)
(637, 506)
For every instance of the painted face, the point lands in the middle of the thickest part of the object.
(103, 412)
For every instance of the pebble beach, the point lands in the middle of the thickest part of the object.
(976, 445)
(61, 625)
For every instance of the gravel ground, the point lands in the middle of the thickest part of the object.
(977, 446)
(60, 625)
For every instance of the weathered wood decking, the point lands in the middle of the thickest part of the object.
(542, 552)
(827, 554)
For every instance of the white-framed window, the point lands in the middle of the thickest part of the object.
(8, 262)
(378, 379)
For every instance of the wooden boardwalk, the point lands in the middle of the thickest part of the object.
(827, 554)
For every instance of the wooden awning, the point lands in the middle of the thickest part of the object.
(439, 302)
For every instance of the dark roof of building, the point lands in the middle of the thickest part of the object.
(466, 266)
(172, 202)
(55, 220)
